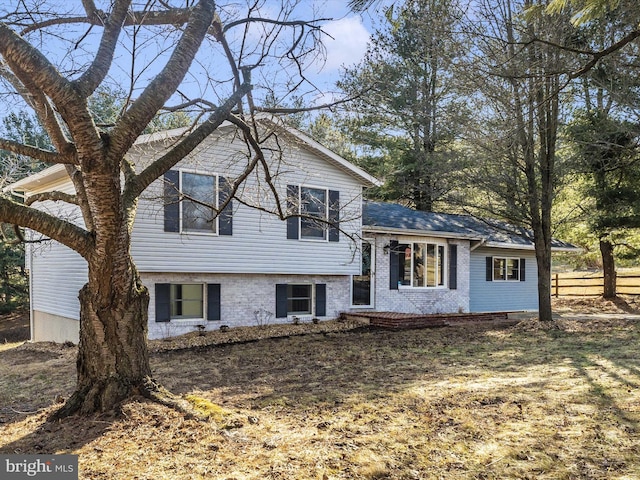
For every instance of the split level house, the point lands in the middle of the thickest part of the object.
(334, 253)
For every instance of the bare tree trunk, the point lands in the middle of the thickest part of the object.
(543, 259)
(113, 359)
(609, 268)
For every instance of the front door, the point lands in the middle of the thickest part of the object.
(362, 286)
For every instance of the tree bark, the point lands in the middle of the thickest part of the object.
(113, 359)
(609, 268)
(543, 260)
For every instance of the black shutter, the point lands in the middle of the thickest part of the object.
(225, 219)
(489, 269)
(394, 265)
(293, 208)
(171, 201)
(453, 267)
(334, 216)
(213, 301)
(281, 300)
(163, 302)
(321, 300)
(522, 270)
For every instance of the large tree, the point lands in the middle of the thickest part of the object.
(55, 56)
(405, 110)
(517, 82)
(603, 137)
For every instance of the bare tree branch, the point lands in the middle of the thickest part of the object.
(165, 83)
(136, 186)
(54, 196)
(63, 231)
(34, 152)
(95, 74)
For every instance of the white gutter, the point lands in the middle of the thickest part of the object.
(46, 175)
(512, 246)
(420, 233)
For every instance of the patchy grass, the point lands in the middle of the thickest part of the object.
(472, 402)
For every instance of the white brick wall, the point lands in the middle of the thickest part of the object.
(428, 300)
(242, 295)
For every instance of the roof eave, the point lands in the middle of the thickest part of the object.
(43, 177)
(531, 246)
(419, 233)
(332, 157)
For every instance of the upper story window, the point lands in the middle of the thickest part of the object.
(200, 198)
(421, 265)
(191, 201)
(314, 213)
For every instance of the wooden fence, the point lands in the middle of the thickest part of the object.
(587, 285)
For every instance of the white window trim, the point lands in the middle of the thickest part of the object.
(217, 195)
(445, 273)
(506, 260)
(326, 215)
(194, 320)
(312, 299)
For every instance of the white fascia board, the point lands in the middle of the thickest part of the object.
(419, 233)
(48, 175)
(330, 156)
(531, 247)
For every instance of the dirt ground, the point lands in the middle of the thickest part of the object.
(473, 402)
(14, 327)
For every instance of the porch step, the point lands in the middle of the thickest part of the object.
(397, 321)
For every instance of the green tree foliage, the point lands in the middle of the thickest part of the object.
(404, 110)
(607, 153)
(25, 128)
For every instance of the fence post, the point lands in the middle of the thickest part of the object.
(557, 285)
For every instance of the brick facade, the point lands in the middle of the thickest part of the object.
(424, 300)
(246, 300)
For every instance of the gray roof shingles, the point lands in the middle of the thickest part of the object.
(392, 216)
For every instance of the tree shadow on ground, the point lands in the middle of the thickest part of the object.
(60, 436)
(314, 376)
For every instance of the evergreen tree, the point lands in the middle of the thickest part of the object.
(404, 110)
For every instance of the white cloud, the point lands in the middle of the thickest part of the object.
(348, 45)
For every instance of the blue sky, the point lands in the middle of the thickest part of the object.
(350, 31)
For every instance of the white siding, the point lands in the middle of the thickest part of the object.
(58, 274)
(259, 242)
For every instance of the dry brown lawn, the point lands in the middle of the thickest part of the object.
(467, 402)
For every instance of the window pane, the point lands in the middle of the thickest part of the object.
(186, 301)
(431, 265)
(195, 216)
(513, 269)
(499, 272)
(298, 299)
(313, 203)
(419, 265)
(404, 264)
(440, 265)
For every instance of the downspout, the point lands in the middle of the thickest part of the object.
(478, 245)
(31, 310)
(28, 249)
